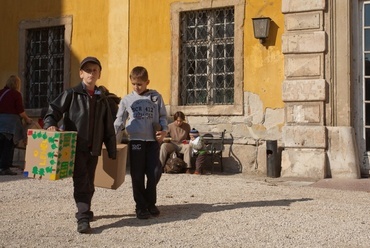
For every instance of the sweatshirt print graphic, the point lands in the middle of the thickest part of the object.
(143, 109)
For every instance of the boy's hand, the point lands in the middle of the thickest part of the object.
(29, 121)
(52, 128)
(160, 135)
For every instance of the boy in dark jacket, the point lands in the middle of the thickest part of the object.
(85, 109)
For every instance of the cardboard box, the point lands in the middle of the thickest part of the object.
(50, 154)
(34, 125)
(111, 173)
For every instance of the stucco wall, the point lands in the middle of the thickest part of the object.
(264, 67)
(150, 46)
(124, 34)
(99, 29)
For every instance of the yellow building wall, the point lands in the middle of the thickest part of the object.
(124, 34)
(150, 42)
(99, 29)
(150, 46)
(264, 64)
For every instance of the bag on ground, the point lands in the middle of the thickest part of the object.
(174, 164)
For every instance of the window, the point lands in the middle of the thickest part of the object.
(207, 57)
(44, 60)
(44, 66)
(366, 72)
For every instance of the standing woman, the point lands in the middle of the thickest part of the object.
(11, 128)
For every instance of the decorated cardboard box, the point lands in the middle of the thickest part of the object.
(34, 125)
(50, 154)
(111, 173)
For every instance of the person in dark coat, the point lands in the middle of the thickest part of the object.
(85, 108)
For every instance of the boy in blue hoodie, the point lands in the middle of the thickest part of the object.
(143, 114)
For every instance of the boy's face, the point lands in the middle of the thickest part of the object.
(138, 85)
(89, 74)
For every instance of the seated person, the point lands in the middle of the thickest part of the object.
(179, 133)
(198, 150)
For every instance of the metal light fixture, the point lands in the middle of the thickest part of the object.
(261, 28)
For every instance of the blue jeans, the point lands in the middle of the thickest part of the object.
(6, 152)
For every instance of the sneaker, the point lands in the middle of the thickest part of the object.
(7, 172)
(197, 172)
(142, 214)
(83, 226)
(153, 210)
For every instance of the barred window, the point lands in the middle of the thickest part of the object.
(206, 70)
(44, 67)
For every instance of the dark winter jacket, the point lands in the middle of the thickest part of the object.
(74, 106)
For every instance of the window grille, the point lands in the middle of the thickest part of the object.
(207, 57)
(44, 66)
(366, 79)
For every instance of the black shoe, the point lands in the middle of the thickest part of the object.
(153, 210)
(91, 216)
(83, 226)
(7, 172)
(142, 214)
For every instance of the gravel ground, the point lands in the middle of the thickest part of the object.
(196, 211)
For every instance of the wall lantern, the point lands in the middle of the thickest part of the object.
(261, 28)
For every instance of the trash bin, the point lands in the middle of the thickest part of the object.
(272, 159)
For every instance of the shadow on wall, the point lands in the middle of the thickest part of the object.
(232, 164)
(271, 40)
